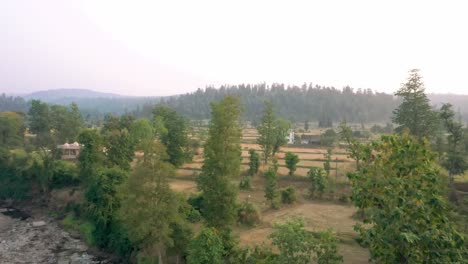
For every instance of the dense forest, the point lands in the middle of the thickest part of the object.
(294, 103)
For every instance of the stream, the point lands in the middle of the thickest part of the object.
(28, 239)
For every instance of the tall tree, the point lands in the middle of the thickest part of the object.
(91, 155)
(273, 132)
(40, 123)
(455, 160)
(119, 144)
(11, 129)
(150, 207)
(415, 112)
(271, 185)
(222, 163)
(281, 132)
(266, 129)
(400, 191)
(207, 247)
(174, 136)
(141, 132)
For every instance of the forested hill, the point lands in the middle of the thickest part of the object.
(294, 103)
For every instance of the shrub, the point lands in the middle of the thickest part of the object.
(196, 201)
(248, 214)
(245, 183)
(193, 215)
(288, 195)
(65, 174)
(86, 229)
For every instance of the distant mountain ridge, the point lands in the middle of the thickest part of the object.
(58, 94)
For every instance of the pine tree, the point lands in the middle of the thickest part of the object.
(415, 112)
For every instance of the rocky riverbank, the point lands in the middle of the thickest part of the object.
(39, 239)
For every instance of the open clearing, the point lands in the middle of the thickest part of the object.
(319, 215)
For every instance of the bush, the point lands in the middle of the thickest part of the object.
(15, 180)
(193, 215)
(288, 195)
(245, 183)
(196, 201)
(86, 229)
(248, 214)
(65, 174)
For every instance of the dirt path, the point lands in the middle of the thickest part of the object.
(39, 240)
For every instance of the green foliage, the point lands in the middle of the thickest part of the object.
(272, 132)
(11, 129)
(15, 180)
(86, 229)
(40, 124)
(281, 131)
(66, 122)
(402, 196)
(245, 183)
(327, 163)
(318, 181)
(301, 102)
(181, 235)
(149, 206)
(91, 156)
(117, 141)
(294, 243)
(172, 130)
(291, 161)
(141, 132)
(266, 131)
(103, 202)
(288, 195)
(222, 163)
(248, 214)
(254, 162)
(455, 160)
(328, 138)
(354, 147)
(271, 186)
(207, 247)
(415, 112)
(65, 174)
(327, 250)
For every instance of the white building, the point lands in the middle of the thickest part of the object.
(290, 137)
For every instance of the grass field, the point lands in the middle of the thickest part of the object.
(318, 214)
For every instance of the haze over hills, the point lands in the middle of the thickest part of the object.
(291, 101)
(58, 94)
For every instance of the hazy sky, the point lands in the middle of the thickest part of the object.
(170, 47)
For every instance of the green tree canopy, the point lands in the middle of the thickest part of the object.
(406, 213)
(222, 163)
(291, 161)
(172, 130)
(150, 207)
(11, 129)
(415, 112)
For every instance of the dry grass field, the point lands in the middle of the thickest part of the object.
(318, 214)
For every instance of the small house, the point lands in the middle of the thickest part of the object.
(70, 151)
(310, 139)
(290, 137)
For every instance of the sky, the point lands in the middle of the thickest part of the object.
(171, 47)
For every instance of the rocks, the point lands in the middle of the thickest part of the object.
(40, 241)
(38, 223)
